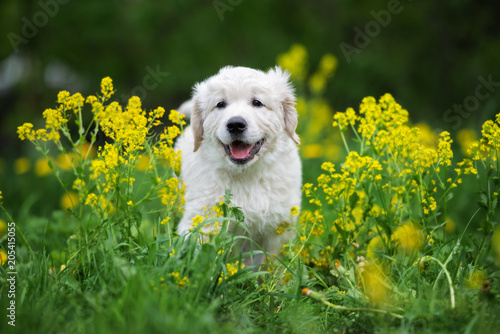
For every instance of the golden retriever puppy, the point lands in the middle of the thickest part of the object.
(242, 138)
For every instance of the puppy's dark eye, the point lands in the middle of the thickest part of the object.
(257, 103)
(221, 105)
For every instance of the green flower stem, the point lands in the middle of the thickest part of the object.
(344, 140)
(321, 298)
(448, 277)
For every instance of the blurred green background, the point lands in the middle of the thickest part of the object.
(435, 57)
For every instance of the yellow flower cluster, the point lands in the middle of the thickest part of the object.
(172, 192)
(282, 228)
(209, 225)
(101, 204)
(485, 150)
(376, 247)
(408, 238)
(375, 283)
(395, 174)
(55, 119)
(126, 143)
(295, 62)
(465, 138)
(165, 149)
(176, 118)
(107, 88)
(326, 68)
(324, 258)
(128, 128)
(313, 109)
(231, 270)
(343, 120)
(383, 130)
(3, 257)
(174, 277)
(181, 282)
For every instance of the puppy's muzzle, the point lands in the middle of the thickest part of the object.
(240, 151)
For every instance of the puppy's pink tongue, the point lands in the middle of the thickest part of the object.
(240, 150)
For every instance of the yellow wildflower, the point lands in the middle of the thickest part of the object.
(91, 200)
(445, 153)
(143, 163)
(25, 131)
(429, 204)
(62, 96)
(182, 283)
(65, 161)
(107, 88)
(69, 200)
(74, 102)
(450, 225)
(176, 117)
(54, 119)
(325, 70)
(197, 220)
(21, 165)
(42, 167)
(328, 166)
(376, 247)
(287, 278)
(426, 136)
(312, 151)
(171, 192)
(465, 138)
(231, 270)
(375, 284)
(3, 225)
(282, 228)
(344, 119)
(3, 257)
(408, 238)
(294, 61)
(475, 279)
(79, 184)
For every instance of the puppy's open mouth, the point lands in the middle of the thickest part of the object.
(240, 152)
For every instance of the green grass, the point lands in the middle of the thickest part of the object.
(372, 253)
(127, 289)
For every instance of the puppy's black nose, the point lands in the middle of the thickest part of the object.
(236, 125)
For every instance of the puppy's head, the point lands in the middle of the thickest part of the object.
(242, 112)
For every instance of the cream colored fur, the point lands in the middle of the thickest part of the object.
(267, 186)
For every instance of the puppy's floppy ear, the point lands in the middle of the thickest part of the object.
(197, 124)
(186, 108)
(291, 117)
(287, 98)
